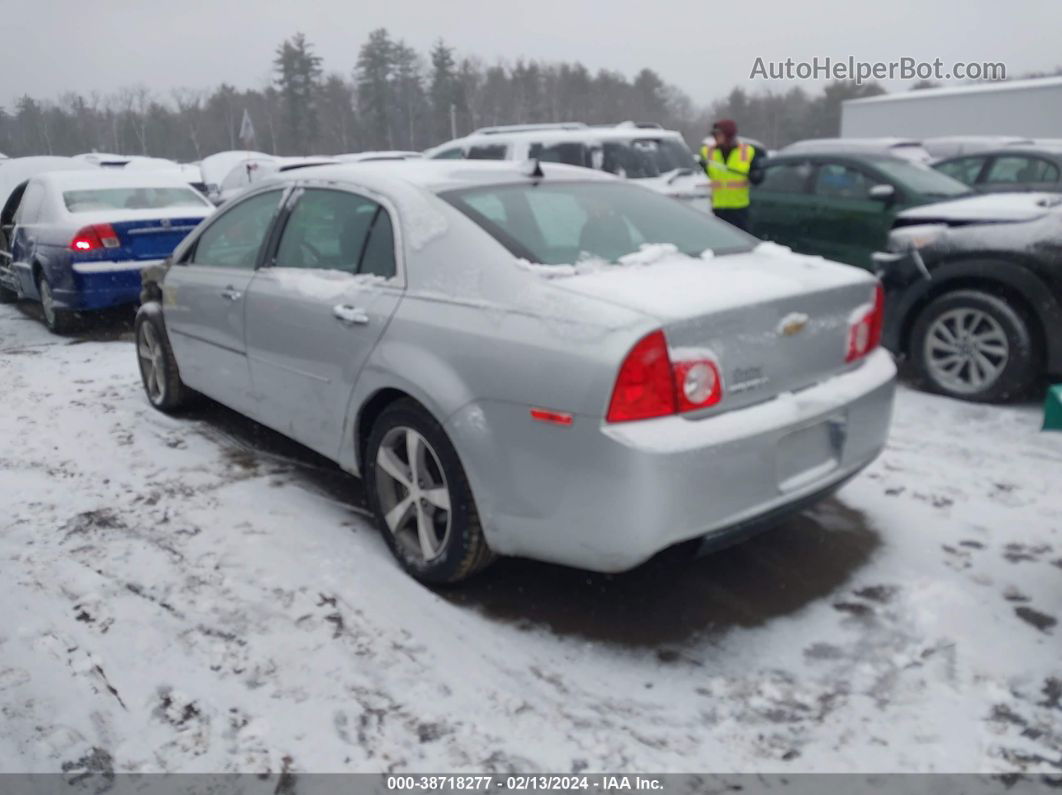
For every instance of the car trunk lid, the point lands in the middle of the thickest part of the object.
(153, 238)
(774, 322)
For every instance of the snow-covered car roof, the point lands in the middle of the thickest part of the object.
(851, 143)
(217, 166)
(16, 170)
(361, 157)
(907, 149)
(586, 135)
(112, 178)
(942, 146)
(142, 163)
(289, 163)
(103, 158)
(438, 175)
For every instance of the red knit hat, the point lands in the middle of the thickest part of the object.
(726, 126)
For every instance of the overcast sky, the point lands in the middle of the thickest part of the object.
(704, 47)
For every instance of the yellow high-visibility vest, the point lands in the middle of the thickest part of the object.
(729, 178)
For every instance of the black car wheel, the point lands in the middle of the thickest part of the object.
(420, 497)
(158, 368)
(7, 296)
(972, 345)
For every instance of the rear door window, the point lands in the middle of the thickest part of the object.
(786, 178)
(337, 230)
(1017, 170)
(837, 181)
(487, 152)
(236, 237)
(573, 153)
(29, 208)
(378, 258)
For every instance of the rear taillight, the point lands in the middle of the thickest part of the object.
(864, 330)
(95, 237)
(650, 385)
(644, 387)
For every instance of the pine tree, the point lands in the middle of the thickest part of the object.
(409, 92)
(298, 71)
(372, 76)
(443, 90)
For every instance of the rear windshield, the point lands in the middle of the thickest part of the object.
(84, 201)
(565, 222)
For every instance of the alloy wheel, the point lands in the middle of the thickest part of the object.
(152, 364)
(413, 493)
(966, 350)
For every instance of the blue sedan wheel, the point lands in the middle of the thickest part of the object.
(60, 321)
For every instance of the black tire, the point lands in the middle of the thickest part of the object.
(463, 551)
(169, 393)
(1017, 369)
(58, 321)
(7, 296)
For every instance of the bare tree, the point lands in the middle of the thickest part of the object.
(189, 103)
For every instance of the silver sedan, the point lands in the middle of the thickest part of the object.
(519, 360)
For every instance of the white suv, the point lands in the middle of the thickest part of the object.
(655, 157)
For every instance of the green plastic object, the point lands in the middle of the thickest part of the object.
(1053, 409)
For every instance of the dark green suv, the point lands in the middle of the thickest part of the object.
(841, 206)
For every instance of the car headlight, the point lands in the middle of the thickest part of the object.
(917, 236)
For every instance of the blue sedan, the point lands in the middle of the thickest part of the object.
(77, 240)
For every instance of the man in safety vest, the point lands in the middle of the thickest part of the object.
(731, 166)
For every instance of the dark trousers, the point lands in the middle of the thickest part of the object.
(735, 217)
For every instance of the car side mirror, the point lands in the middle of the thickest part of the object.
(883, 193)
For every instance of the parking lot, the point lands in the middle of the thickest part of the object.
(197, 593)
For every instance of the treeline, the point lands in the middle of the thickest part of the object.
(394, 97)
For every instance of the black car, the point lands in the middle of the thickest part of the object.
(1008, 169)
(974, 293)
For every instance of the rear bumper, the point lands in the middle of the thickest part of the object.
(608, 497)
(81, 286)
(101, 284)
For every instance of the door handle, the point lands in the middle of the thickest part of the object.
(351, 315)
(230, 293)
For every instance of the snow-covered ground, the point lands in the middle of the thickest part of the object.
(198, 594)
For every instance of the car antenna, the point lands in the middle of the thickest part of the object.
(532, 168)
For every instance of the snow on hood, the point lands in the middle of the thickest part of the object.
(990, 207)
(662, 282)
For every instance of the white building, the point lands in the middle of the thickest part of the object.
(1027, 108)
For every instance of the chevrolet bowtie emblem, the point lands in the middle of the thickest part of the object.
(794, 325)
